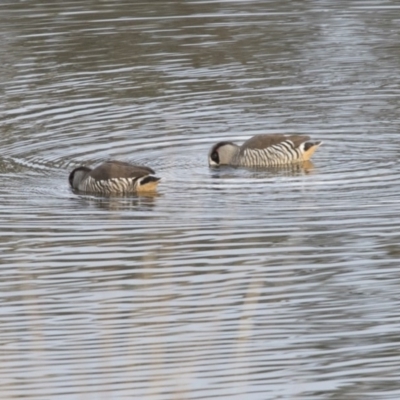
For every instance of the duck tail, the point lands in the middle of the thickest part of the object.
(148, 184)
(309, 149)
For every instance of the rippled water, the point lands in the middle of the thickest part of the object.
(229, 283)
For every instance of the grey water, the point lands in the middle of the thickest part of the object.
(228, 283)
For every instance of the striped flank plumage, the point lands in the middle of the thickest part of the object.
(113, 177)
(263, 151)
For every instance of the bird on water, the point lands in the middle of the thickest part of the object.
(114, 177)
(263, 151)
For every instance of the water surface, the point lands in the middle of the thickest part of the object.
(229, 283)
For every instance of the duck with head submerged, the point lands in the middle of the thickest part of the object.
(263, 151)
(114, 178)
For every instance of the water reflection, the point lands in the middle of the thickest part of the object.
(296, 169)
(144, 202)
